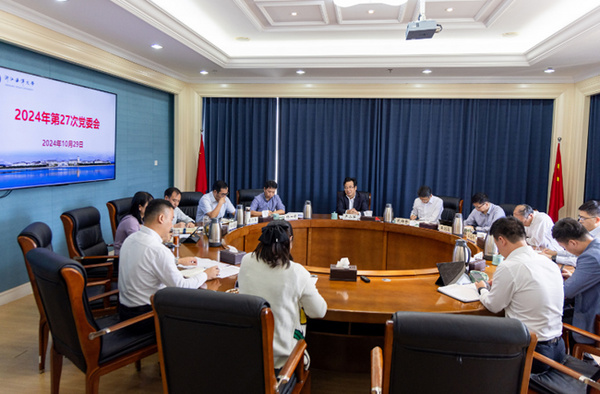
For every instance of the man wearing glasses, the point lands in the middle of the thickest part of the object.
(215, 204)
(485, 213)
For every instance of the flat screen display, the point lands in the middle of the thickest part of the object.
(54, 133)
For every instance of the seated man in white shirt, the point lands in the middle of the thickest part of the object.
(427, 207)
(538, 227)
(146, 265)
(528, 288)
(215, 204)
(180, 219)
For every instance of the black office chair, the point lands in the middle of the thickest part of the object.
(245, 196)
(189, 203)
(95, 346)
(39, 235)
(452, 206)
(117, 209)
(215, 342)
(446, 353)
(508, 209)
(85, 242)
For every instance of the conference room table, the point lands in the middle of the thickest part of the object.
(399, 260)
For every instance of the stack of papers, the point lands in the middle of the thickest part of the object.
(463, 293)
(225, 270)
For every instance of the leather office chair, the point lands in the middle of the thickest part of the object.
(508, 209)
(367, 195)
(452, 206)
(233, 333)
(84, 238)
(95, 346)
(117, 209)
(435, 353)
(39, 235)
(189, 203)
(245, 196)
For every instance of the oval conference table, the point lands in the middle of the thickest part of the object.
(399, 260)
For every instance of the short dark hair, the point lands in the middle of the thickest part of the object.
(349, 179)
(139, 198)
(155, 208)
(424, 191)
(567, 229)
(591, 207)
(169, 192)
(270, 185)
(218, 185)
(274, 244)
(525, 211)
(479, 198)
(510, 228)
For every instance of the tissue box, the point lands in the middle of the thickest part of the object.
(263, 220)
(229, 257)
(340, 273)
(431, 226)
(368, 218)
(477, 265)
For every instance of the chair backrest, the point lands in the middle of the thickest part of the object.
(245, 196)
(49, 268)
(508, 209)
(189, 203)
(204, 337)
(452, 206)
(366, 195)
(117, 209)
(83, 232)
(460, 352)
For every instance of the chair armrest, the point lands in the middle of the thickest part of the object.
(376, 370)
(579, 331)
(120, 325)
(292, 362)
(567, 371)
(101, 257)
(104, 295)
(100, 282)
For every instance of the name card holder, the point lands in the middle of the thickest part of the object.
(402, 221)
(471, 237)
(253, 220)
(291, 216)
(445, 229)
(350, 216)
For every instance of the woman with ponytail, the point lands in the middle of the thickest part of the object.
(270, 273)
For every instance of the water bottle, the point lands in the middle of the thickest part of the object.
(307, 210)
(247, 215)
(214, 233)
(388, 213)
(239, 215)
(457, 225)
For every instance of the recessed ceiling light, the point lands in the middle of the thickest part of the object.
(371, 11)
(549, 70)
(449, 9)
(204, 72)
(156, 46)
(300, 72)
(352, 3)
(510, 34)
(61, 1)
(427, 71)
(294, 13)
(242, 39)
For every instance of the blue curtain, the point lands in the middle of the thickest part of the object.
(322, 142)
(239, 138)
(592, 171)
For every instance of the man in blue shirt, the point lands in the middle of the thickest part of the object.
(268, 201)
(485, 213)
(584, 283)
(215, 204)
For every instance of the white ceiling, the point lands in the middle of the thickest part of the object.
(260, 41)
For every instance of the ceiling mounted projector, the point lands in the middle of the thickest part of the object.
(422, 29)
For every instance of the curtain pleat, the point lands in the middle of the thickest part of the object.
(592, 171)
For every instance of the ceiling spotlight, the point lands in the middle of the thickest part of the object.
(371, 11)
(294, 13)
(61, 1)
(352, 3)
(156, 46)
(300, 72)
(204, 72)
(427, 71)
(549, 70)
(449, 9)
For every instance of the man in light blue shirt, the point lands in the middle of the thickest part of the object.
(427, 207)
(215, 204)
(485, 213)
(267, 201)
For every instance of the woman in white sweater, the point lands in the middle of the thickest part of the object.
(268, 272)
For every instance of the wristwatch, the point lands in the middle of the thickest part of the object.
(554, 258)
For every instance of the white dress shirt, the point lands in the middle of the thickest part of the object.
(146, 266)
(529, 288)
(208, 203)
(428, 212)
(539, 232)
(180, 216)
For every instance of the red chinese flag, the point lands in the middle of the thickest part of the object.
(557, 195)
(201, 182)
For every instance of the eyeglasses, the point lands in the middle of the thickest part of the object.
(223, 194)
(478, 207)
(583, 218)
